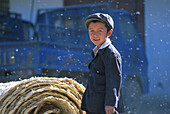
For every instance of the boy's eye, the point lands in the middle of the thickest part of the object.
(91, 31)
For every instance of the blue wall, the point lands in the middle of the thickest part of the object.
(157, 26)
(24, 7)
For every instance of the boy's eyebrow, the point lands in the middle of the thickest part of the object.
(98, 28)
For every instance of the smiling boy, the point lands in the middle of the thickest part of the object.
(103, 92)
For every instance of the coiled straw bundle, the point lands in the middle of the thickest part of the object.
(42, 96)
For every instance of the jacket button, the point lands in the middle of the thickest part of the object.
(97, 71)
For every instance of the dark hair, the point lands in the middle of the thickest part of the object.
(108, 28)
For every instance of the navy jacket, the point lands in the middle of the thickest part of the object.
(104, 82)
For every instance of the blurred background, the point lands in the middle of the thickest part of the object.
(153, 22)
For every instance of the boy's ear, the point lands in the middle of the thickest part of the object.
(110, 33)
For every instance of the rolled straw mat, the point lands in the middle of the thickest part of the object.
(41, 96)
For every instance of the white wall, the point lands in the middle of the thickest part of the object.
(157, 26)
(24, 7)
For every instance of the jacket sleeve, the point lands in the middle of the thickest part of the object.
(83, 103)
(113, 73)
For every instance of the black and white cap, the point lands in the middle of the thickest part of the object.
(105, 18)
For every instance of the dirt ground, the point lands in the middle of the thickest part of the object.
(154, 105)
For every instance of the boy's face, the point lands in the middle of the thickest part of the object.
(98, 33)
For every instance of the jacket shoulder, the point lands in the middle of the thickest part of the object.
(111, 51)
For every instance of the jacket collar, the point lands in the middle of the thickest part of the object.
(100, 50)
(104, 45)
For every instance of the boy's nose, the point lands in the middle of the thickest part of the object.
(94, 33)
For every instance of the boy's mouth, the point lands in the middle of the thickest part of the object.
(96, 39)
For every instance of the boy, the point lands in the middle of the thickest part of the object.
(102, 95)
